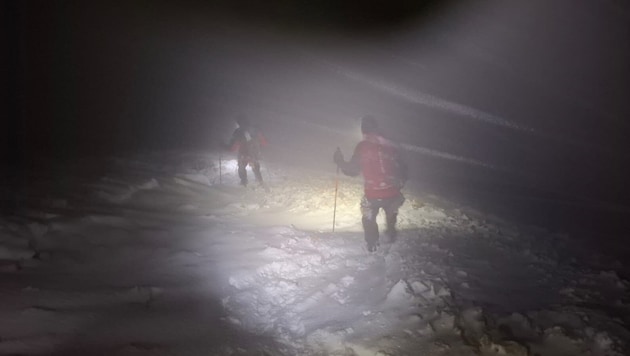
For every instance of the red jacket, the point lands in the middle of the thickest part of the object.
(379, 160)
(247, 141)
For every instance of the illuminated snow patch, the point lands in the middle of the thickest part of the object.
(229, 165)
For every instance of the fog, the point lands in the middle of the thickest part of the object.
(516, 107)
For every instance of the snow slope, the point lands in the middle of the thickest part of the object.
(161, 256)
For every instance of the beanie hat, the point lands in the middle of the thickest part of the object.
(368, 124)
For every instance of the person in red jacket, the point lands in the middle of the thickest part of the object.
(384, 172)
(247, 140)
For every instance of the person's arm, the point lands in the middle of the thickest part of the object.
(350, 168)
(234, 141)
(262, 139)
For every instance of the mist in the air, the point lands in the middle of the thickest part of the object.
(518, 107)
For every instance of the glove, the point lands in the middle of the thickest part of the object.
(338, 157)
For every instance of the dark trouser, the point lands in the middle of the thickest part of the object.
(243, 161)
(370, 209)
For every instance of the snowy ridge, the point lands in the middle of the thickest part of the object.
(162, 259)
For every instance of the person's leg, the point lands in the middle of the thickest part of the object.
(370, 228)
(391, 232)
(242, 169)
(391, 207)
(256, 168)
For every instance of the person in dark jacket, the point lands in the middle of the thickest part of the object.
(384, 172)
(247, 141)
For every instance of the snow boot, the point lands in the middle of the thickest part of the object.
(372, 246)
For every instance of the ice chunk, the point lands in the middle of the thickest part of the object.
(444, 322)
(419, 287)
(399, 293)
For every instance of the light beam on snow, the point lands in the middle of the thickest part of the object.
(425, 99)
(228, 165)
(461, 110)
(356, 135)
(449, 156)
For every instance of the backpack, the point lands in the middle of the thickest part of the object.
(382, 165)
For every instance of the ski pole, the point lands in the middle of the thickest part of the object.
(335, 206)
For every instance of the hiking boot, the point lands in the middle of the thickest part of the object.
(372, 246)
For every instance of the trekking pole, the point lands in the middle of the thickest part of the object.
(220, 169)
(335, 206)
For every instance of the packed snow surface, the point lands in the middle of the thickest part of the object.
(159, 255)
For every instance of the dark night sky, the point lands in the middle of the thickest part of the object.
(101, 75)
(89, 78)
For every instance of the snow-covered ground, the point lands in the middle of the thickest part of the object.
(158, 255)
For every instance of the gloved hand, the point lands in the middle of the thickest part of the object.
(338, 157)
